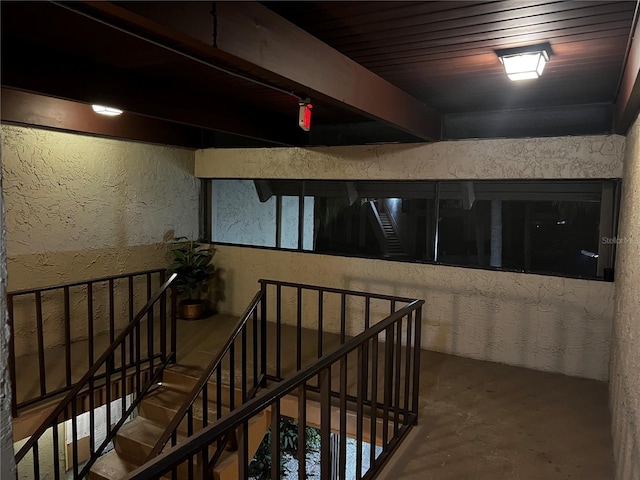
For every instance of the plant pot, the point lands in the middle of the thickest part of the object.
(191, 309)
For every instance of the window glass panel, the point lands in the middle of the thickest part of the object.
(289, 222)
(308, 232)
(541, 226)
(240, 217)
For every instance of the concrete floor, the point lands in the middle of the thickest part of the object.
(478, 420)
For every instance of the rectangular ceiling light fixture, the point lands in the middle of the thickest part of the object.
(524, 63)
(109, 111)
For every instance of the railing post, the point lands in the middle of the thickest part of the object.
(163, 320)
(174, 317)
(263, 332)
(325, 424)
(416, 362)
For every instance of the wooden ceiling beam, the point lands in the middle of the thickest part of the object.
(23, 108)
(86, 82)
(628, 98)
(252, 39)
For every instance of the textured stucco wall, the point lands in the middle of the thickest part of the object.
(80, 207)
(541, 322)
(625, 365)
(547, 323)
(7, 466)
(558, 157)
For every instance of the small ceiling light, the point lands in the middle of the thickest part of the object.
(524, 63)
(110, 111)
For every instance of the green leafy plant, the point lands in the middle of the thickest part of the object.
(192, 263)
(260, 467)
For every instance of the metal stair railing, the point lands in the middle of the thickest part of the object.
(374, 374)
(31, 309)
(106, 381)
(249, 384)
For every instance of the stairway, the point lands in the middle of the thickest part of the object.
(393, 246)
(136, 438)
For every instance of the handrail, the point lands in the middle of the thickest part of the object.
(112, 432)
(355, 293)
(204, 378)
(242, 414)
(55, 298)
(84, 282)
(94, 368)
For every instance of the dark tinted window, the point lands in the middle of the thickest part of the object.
(542, 226)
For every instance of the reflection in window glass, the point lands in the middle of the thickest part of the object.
(240, 217)
(533, 226)
(289, 222)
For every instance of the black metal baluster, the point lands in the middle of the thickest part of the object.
(130, 310)
(243, 453)
(325, 424)
(254, 331)
(275, 440)
(263, 333)
(299, 331)
(374, 398)
(361, 395)
(232, 376)
(36, 461)
(388, 384)
(302, 432)
(342, 469)
(150, 339)
(416, 363)
(320, 321)
(243, 367)
(90, 321)
(343, 318)
(40, 334)
(279, 331)
(56, 453)
(407, 371)
(396, 400)
(67, 337)
(12, 358)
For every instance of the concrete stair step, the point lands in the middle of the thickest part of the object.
(161, 405)
(184, 378)
(136, 438)
(111, 466)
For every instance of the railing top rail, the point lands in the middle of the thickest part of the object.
(336, 290)
(204, 378)
(84, 282)
(207, 435)
(94, 368)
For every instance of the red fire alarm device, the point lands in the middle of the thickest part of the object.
(304, 115)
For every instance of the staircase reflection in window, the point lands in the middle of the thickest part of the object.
(535, 226)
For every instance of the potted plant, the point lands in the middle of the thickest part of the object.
(192, 263)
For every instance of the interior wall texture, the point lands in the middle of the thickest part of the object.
(541, 322)
(80, 207)
(7, 464)
(625, 365)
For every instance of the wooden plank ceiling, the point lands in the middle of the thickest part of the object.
(440, 53)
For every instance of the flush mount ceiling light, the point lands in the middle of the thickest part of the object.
(110, 111)
(524, 63)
